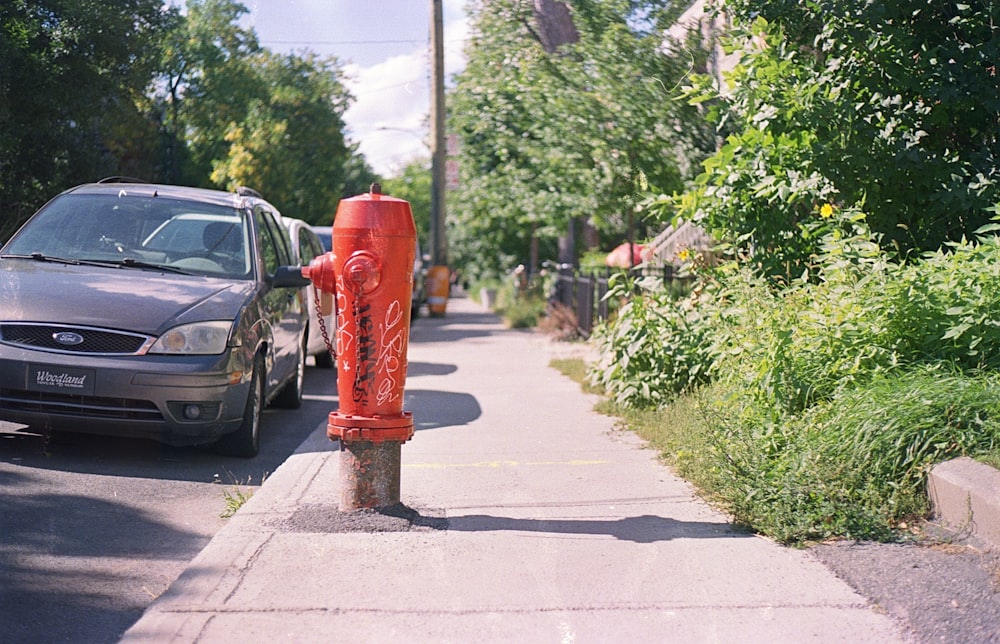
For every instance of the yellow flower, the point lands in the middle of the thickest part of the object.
(684, 254)
(826, 211)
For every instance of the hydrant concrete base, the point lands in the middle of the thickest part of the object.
(369, 474)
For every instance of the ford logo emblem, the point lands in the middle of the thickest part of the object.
(68, 338)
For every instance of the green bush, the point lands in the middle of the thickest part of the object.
(655, 349)
(854, 466)
(822, 404)
(521, 312)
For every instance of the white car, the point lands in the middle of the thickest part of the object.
(305, 246)
(325, 234)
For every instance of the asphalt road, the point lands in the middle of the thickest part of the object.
(941, 591)
(92, 528)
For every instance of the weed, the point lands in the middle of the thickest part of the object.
(236, 496)
(576, 370)
(235, 499)
(560, 323)
(521, 312)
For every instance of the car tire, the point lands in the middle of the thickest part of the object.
(290, 396)
(324, 359)
(245, 441)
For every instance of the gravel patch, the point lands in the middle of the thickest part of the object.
(327, 519)
(938, 591)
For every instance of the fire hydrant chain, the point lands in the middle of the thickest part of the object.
(322, 323)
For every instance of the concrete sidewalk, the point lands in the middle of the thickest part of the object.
(538, 522)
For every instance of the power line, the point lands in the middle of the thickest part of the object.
(343, 42)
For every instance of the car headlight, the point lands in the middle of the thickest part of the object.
(200, 338)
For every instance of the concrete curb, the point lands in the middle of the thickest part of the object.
(965, 496)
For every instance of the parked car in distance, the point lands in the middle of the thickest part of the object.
(305, 246)
(152, 311)
(325, 234)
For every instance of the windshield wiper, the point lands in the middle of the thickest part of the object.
(127, 262)
(39, 257)
(131, 262)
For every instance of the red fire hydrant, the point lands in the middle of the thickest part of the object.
(370, 274)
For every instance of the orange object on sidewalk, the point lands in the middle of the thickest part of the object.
(438, 284)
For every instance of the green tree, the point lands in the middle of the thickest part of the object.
(358, 174)
(209, 83)
(73, 77)
(892, 107)
(239, 114)
(574, 134)
(290, 142)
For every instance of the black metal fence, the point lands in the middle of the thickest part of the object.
(583, 293)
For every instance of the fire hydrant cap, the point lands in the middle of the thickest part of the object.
(361, 272)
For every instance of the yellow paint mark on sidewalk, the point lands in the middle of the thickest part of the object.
(497, 464)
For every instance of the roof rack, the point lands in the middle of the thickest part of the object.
(244, 191)
(117, 179)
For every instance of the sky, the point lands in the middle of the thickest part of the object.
(384, 49)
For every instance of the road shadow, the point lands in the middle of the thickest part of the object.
(455, 325)
(432, 409)
(417, 369)
(641, 529)
(50, 593)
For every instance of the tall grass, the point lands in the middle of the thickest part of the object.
(815, 410)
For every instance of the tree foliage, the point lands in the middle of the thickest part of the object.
(91, 89)
(72, 78)
(548, 138)
(251, 117)
(290, 142)
(889, 106)
(414, 185)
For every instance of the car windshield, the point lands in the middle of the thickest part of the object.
(141, 232)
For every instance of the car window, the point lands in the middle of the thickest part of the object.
(309, 247)
(274, 241)
(153, 229)
(325, 234)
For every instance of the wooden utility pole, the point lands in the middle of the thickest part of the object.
(437, 282)
(439, 153)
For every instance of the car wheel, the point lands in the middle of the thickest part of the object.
(324, 360)
(245, 441)
(290, 396)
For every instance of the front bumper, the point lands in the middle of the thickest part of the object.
(149, 396)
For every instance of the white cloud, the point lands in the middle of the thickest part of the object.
(389, 118)
(384, 47)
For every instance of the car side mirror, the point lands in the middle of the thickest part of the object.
(289, 277)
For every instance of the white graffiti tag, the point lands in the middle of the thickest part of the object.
(392, 355)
